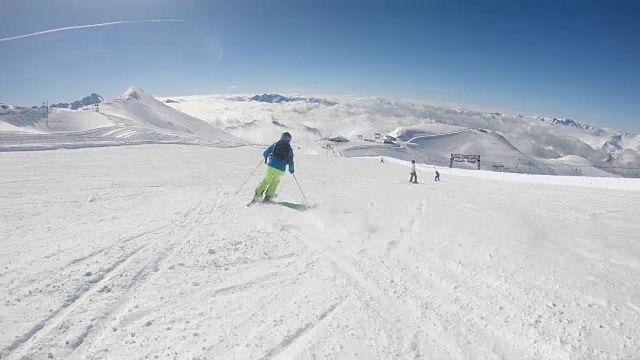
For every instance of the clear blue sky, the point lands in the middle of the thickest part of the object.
(577, 59)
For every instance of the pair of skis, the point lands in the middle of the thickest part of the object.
(290, 205)
(258, 200)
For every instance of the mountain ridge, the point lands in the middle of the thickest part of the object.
(92, 99)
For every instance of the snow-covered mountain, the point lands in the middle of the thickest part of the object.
(134, 118)
(422, 130)
(621, 142)
(566, 122)
(92, 99)
(552, 144)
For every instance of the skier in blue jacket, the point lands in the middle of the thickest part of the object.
(277, 156)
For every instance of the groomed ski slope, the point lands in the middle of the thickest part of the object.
(147, 252)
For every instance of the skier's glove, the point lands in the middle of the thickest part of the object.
(291, 172)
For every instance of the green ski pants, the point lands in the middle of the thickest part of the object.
(269, 183)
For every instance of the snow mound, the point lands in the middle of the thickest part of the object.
(21, 119)
(6, 127)
(69, 121)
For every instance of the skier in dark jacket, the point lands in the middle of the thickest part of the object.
(277, 157)
(437, 176)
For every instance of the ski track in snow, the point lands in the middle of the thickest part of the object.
(131, 258)
(146, 261)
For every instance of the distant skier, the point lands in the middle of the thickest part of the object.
(382, 160)
(277, 157)
(437, 176)
(414, 175)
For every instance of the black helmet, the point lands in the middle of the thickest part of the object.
(413, 161)
(285, 135)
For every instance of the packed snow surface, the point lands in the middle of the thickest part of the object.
(147, 252)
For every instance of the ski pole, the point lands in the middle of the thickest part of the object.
(250, 175)
(302, 192)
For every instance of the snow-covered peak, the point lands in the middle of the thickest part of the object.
(566, 122)
(139, 108)
(133, 93)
